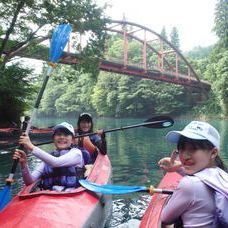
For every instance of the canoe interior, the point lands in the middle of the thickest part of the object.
(151, 218)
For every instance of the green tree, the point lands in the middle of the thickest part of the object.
(221, 22)
(52, 93)
(218, 75)
(29, 21)
(26, 23)
(164, 33)
(217, 70)
(15, 90)
(199, 52)
(174, 38)
(127, 101)
(104, 97)
(65, 96)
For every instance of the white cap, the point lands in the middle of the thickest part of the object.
(65, 125)
(196, 130)
(85, 116)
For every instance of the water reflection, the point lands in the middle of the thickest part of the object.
(128, 213)
(134, 154)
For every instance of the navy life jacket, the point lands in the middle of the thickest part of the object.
(63, 176)
(85, 154)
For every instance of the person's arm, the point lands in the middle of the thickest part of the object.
(180, 201)
(29, 177)
(72, 158)
(101, 141)
(170, 164)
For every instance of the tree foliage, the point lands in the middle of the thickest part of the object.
(15, 90)
(221, 22)
(26, 23)
(174, 38)
(73, 91)
(116, 95)
(217, 70)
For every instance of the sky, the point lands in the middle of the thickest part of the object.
(194, 19)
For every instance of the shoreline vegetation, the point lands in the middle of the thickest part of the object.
(83, 88)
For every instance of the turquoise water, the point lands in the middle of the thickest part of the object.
(134, 154)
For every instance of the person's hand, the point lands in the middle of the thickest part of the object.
(75, 141)
(100, 132)
(170, 164)
(21, 156)
(26, 142)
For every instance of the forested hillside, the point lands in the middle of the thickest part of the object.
(72, 90)
(114, 95)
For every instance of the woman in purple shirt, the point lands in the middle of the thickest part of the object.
(58, 169)
(201, 197)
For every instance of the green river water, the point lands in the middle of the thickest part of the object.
(134, 154)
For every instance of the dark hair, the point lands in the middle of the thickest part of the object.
(27, 118)
(195, 143)
(200, 144)
(64, 131)
(85, 117)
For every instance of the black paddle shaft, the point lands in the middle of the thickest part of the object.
(15, 163)
(121, 128)
(37, 103)
(154, 122)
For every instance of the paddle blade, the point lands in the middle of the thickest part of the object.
(59, 40)
(159, 122)
(111, 189)
(5, 196)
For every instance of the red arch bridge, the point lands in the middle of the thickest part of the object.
(158, 59)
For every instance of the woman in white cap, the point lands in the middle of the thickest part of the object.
(201, 198)
(59, 170)
(93, 143)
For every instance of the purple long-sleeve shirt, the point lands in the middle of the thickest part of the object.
(72, 158)
(193, 201)
(194, 198)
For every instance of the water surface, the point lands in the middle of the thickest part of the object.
(134, 154)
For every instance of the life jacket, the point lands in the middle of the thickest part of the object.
(62, 176)
(88, 145)
(85, 154)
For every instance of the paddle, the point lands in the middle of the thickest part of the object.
(154, 122)
(114, 189)
(58, 42)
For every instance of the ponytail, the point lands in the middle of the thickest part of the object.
(219, 163)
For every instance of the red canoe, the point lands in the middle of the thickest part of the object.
(74, 209)
(151, 218)
(6, 133)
